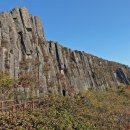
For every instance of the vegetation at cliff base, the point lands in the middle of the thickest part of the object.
(93, 110)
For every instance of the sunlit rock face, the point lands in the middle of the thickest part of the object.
(51, 67)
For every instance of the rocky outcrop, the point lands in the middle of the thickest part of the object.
(50, 67)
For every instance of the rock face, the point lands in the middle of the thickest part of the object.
(50, 67)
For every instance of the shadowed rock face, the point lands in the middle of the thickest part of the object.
(52, 67)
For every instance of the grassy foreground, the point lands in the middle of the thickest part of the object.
(93, 110)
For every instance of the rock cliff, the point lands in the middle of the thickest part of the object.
(50, 67)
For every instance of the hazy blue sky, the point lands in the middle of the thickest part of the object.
(100, 27)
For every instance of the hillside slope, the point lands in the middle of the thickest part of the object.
(94, 110)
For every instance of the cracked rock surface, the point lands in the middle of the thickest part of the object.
(54, 68)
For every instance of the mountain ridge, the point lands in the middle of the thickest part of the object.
(99, 57)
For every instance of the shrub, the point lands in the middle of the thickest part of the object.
(6, 84)
(94, 110)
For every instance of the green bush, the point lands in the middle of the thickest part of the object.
(6, 85)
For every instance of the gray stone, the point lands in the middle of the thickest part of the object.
(51, 67)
